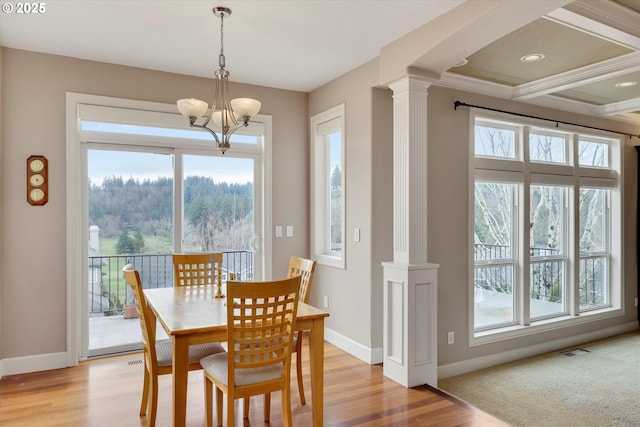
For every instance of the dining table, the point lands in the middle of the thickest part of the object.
(192, 315)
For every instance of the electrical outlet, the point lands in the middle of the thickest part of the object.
(450, 337)
(325, 302)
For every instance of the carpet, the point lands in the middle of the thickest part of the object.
(594, 384)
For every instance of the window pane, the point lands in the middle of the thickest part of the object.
(130, 214)
(594, 235)
(493, 296)
(547, 234)
(494, 270)
(593, 220)
(594, 291)
(335, 194)
(547, 148)
(595, 154)
(218, 203)
(493, 220)
(492, 141)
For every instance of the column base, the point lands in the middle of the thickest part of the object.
(410, 324)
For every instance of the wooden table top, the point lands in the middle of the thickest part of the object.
(193, 309)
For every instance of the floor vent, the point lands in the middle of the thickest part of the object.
(576, 352)
(135, 362)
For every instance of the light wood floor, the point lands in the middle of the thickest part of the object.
(106, 392)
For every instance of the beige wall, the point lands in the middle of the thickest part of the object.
(355, 293)
(33, 277)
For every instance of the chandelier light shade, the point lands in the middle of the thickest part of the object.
(228, 115)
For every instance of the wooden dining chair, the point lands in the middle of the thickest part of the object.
(196, 269)
(261, 323)
(158, 355)
(304, 268)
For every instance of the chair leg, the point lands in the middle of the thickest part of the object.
(286, 407)
(208, 402)
(267, 407)
(144, 405)
(153, 402)
(303, 401)
(231, 415)
(247, 400)
(219, 406)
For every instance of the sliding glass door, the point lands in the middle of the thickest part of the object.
(130, 213)
(144, 205)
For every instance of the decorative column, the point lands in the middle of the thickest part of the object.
(410, 282)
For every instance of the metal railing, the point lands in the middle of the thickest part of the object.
(495, 271)
(108, 292)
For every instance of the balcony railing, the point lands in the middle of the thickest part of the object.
(494, 271)
(108, 292)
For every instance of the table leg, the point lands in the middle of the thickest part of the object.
(316, 355)
(180, 378)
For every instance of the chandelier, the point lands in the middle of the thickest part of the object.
(228, 115)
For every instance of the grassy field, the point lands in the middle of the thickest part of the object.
(113, 280)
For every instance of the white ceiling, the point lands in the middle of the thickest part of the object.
(302, 44)
(296, 44)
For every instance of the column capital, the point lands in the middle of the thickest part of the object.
(410, 83)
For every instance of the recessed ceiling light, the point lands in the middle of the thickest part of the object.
(626, 84)
(532, 57)
(461, 63)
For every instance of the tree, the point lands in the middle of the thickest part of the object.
(138, 242)
(125, 243)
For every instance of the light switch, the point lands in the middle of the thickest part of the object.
(356, 235)
(289, 230)
(278, 231)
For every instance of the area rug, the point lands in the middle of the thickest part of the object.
(594, 384)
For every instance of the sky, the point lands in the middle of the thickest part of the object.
(137, 165)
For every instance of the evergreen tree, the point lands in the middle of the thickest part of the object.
(138, 242)
(125, 244)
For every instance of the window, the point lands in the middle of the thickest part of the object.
(328, 177)
(546, 227)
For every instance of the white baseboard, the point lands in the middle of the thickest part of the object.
(370, 355)
(471, 365)
(39, 362)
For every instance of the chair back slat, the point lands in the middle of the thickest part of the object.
(197, 269)
(262, 315)
(305, 268)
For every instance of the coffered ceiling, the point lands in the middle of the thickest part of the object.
(590, 61)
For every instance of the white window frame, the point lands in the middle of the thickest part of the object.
(571, 174)
(321, 125)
